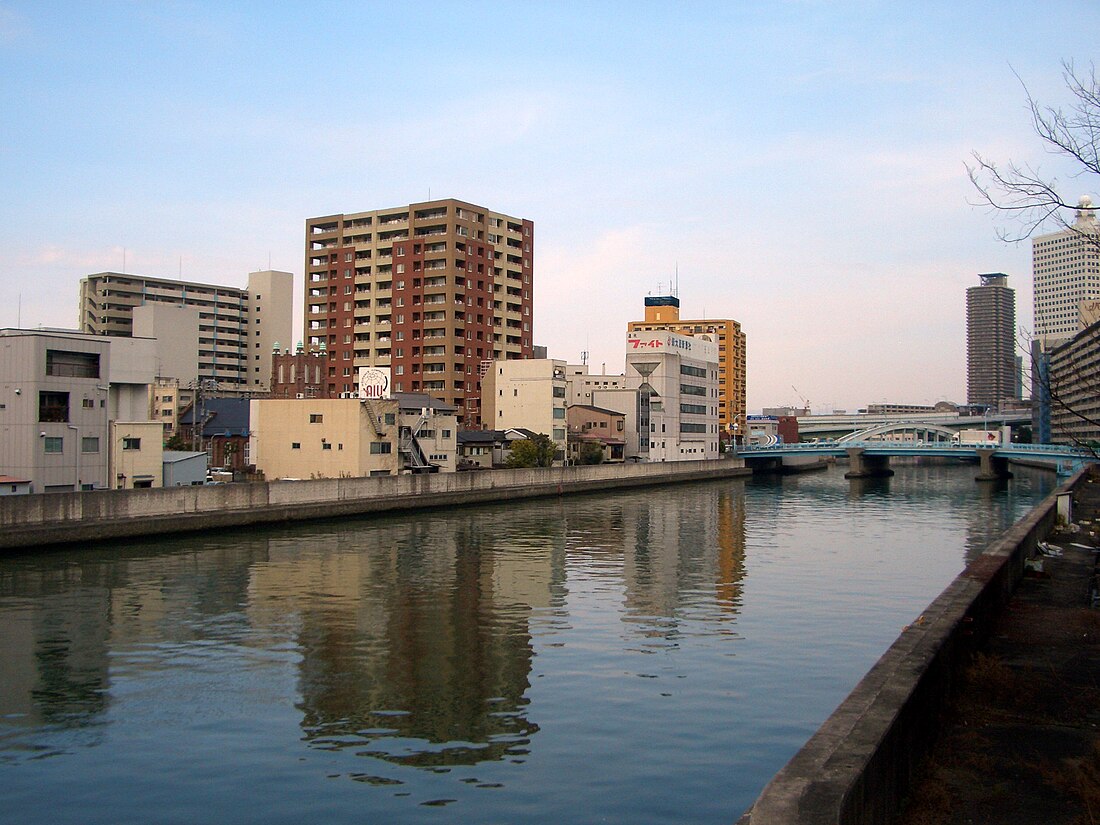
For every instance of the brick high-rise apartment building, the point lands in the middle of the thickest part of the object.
(436, 291)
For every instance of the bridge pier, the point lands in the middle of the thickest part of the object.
(991, 467)
(867, 466)
(764, 465)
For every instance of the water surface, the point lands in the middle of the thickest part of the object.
(646, 656)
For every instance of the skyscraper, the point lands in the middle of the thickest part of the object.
(1066, 273)
(434, 291)
(991, 374)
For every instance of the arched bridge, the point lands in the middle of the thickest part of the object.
(870, 458)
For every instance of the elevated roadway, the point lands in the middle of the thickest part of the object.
(836, 426)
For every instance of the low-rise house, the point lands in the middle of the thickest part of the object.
(486, 449)
(224, 434)
(596, 425)
(13, 486)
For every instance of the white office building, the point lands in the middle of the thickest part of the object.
(1066, 275)
(678, 374)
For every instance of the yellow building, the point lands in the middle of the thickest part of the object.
(663, 313)
(304, 438)
(137, 454)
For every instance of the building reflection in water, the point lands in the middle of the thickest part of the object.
(416, 637)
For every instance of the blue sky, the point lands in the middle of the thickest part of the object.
(799, 164)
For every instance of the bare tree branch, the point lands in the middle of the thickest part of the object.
(1020, 190)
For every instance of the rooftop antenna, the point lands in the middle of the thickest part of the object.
(584, 357)
(676, 282)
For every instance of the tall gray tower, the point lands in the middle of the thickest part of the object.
(991, 367)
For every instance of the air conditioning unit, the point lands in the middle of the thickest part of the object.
(300, 395)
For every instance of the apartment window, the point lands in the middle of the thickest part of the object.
(53, 406)
(390, 418)
(89, 444)
(380, 448)
(325, 445)
(295, 445)
(316, 418)
(130, 443)
(54, 444)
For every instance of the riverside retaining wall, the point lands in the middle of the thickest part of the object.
(857, 768)
(54, 518)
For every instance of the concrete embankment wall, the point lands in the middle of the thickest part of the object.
(857, 768)
(27, 521)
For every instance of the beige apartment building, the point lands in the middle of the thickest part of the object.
(203, 331)
(530, 394)
(663, 312)
(435, 291)
(303, 438)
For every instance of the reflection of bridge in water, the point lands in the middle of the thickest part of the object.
(869, 451)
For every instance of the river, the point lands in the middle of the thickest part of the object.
(646, 656)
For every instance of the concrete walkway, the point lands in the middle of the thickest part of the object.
(1021, 741)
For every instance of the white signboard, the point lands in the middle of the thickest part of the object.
(374, 383)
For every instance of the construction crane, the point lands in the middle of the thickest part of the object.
(805, 400)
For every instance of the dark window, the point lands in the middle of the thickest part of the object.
(53, 406)
(129, 443)
(72, 364)
(316, 418)
(54, 444)
(380, 448)
(89, 444)
(295, 445)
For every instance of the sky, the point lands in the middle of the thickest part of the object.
(796, 166)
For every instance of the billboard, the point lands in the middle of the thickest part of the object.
(374, 383)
